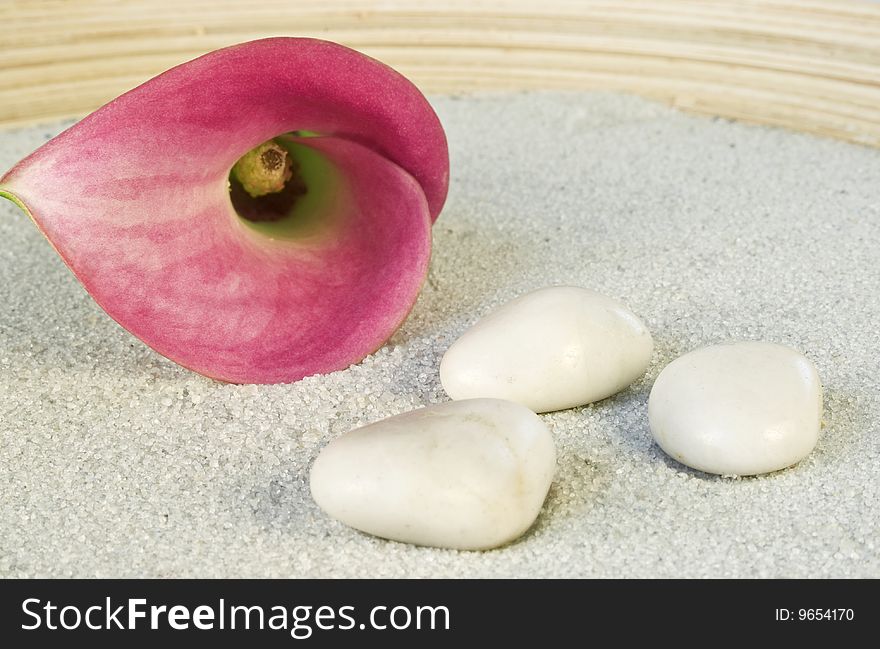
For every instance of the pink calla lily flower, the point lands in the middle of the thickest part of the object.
(244, 285)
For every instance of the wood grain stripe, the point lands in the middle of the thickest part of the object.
(811, 65)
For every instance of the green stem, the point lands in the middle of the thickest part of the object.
(15, 199)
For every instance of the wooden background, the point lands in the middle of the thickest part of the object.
(812, 65)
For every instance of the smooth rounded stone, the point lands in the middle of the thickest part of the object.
(550, 349)
(470, 475)
(737, 409)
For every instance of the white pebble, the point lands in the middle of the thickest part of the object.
(737, 409)
(551, 349)
(470, 475)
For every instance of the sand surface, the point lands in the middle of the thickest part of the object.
(116, 462)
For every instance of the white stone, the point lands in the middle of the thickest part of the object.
(550, 349)
(737, 409)
(470, 475)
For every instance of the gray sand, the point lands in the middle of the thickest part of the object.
(116, 462)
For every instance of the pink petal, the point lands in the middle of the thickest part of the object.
(134, 198)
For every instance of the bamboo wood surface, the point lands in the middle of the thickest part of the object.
(810, 65)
